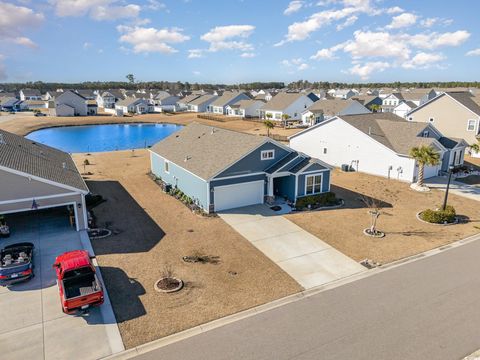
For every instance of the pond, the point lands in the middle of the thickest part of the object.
(95, 138)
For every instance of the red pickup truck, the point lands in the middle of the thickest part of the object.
(77, 281)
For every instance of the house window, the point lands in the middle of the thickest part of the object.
(278, 116)
(471, 125)
(426, 133)
(167, 167)
(431, 120)
(267, 155)
(410, 118)
(324, 150)
(313, 184)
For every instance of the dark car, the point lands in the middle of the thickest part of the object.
(16, 263)
(40, 114)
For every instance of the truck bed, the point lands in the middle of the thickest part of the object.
(81, 286)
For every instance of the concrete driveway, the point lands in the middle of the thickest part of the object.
(456, 187)
(306, 258)
(33, 325)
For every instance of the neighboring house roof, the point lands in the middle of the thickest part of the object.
(202, 99)
(7, 100)
(7, 94)
(127, 101)
(226, 97)
(27, 156)
(390, 130)
(187, 99)
(71, 92)
(450, 143)
(34, 102)
(243, 104)
(31, 92)
(86, 93)
(281, 101)
(411, 104)
(204, 150)
(330, 107)
(463, 97)
(365, 100)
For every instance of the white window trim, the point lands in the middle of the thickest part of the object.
(313, 189)
(474, 124)
(265, 152)
(166, 167)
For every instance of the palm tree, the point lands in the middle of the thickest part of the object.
(269, 125)
(268, 116)
(424, 155)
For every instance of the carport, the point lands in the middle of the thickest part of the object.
(35, 177)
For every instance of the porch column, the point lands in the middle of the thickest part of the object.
(270, 186)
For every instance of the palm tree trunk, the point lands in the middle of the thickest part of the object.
(421, 169)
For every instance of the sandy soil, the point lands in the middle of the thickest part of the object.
(154, 230)
(22, 125)
(342, 228)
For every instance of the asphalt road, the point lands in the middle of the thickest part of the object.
(427, 309)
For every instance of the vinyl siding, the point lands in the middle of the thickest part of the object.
(190, 184)
(325, 182)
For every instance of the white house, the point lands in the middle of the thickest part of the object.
(291, 104)
(219, 106)
(132, 105)
(106, 100)
(30, 94)
(344, 94)
(377, 144)
(201, 103)
(245, 108)
(324, 109)
(404, 108)
(182, 104)
(165, 102)
(69, 103)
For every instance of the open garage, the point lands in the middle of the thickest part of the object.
(35, 177)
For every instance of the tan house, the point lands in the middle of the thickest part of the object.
(36, 177)
(455, 114)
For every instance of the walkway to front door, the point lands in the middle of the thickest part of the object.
(306, 258)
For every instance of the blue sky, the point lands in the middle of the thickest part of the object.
(235, 41)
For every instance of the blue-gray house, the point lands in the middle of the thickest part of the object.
(223, 169)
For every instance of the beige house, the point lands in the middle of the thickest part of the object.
(36, 177)
(455, 114)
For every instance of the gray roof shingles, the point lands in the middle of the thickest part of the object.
(27, 156)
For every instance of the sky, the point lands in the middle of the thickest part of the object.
(235, 41)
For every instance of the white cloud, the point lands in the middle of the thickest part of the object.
(375, 44)
(96, 9)
(299, 31)
(87, 45)
(423, 60)
(15, 20)
(364, 71)
(296, 63)
(229, 37)
(474, 52)
(248, 55)
(156, 5)
(402, 20)
(324, 54)
(435, 40)
(146, 40)
(196, 73)
(195, 53)
(394, 10)
(349, 22)
(293, 7)
(429, 22)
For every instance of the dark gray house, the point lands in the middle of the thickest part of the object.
(223, 169)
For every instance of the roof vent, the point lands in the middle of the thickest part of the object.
(64, 165)
(369, 130)
(187, 158)
(213, 131)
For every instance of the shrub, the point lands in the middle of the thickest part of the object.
(318, 200)
(439, 216)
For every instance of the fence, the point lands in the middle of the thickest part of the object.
(211, 117)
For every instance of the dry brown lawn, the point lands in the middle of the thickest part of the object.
(342, 228)
(154, 229)
(22, 125)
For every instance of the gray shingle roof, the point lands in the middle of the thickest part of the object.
(187, 99)
(226, 97)
(330, 107)
(281, 101)
(390, 130)
(209, 150)
(465, 98)
(27, 156)
(202, 99)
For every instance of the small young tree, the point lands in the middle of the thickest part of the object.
(268, 116)
(311, 117)
(374, 210)
(424, 155)
(269, 125)
(85, 163)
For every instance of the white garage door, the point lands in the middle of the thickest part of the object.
(238, 195)
(431, 171)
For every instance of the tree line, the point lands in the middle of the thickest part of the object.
(131, 84)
